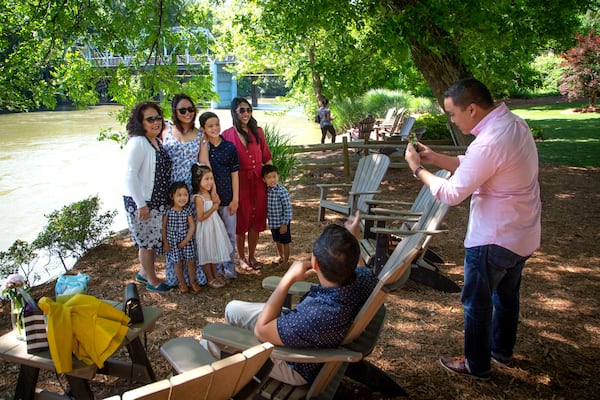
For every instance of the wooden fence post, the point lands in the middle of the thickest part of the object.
(345, 154)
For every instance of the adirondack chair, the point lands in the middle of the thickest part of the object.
(368, 176)
(425, 215)
(393, 128)
(406, 127)
(347, 359)
(388, 120)
(363, 129)
(231, 377)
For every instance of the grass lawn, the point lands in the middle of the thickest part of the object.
(570, 138)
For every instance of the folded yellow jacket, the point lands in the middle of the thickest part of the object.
(85, 326)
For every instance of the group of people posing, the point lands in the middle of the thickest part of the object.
(197, 194)
(499, 172)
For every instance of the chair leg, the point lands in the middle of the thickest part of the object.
(369, 375)
(321, 214)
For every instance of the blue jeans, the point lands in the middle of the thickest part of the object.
(490, 299)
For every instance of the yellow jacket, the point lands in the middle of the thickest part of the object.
(85, 326)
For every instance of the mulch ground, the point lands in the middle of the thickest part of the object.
(557, 353)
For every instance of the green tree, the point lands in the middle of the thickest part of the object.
(582, 74)
(18, 259)
(43, 44)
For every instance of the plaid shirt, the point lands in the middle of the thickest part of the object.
(279, 206)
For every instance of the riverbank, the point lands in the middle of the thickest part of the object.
(557, 351)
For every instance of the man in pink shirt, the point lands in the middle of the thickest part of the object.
(500, 172)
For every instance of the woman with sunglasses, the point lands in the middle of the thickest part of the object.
(253, 152)
(183, 141)
(147, 181)
(186, 146)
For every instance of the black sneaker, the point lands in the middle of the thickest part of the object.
(498, 359)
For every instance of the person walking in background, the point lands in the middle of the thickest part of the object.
(211, 236)
(147, 181)
(325, 121)
(178, 237)
(183, 141)
(253, 153)
(225, 165)
(279, 213)
(500, 173)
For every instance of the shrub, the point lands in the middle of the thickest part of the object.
(436, 126)
(75, 229)
(17, 259)
(283, 158)
(582, 75)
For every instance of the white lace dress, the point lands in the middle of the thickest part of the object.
(212, 241)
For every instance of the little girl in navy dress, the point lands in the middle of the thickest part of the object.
(178, 237)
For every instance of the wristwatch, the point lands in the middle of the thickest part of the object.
(417, 171)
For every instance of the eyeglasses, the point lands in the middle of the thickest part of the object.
(243, 110)
(184, 110)
(153, 119)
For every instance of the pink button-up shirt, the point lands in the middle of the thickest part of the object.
(500, 170)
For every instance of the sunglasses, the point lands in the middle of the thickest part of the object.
(183, 110)
(154, 119)
(242, 110)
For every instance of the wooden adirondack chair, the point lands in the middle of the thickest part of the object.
(231, 377)
(368, 176)
(347, 359)
(388, 120)
(425, 215)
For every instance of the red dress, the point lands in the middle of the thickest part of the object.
(252, 209)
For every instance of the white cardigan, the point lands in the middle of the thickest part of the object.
(141, 167)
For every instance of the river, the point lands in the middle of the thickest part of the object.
(49, 159)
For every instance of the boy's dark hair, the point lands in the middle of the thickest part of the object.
(198, 171)
(173, 188)
(205, 116)
(337, 252)
(268, 168)
(469, 90)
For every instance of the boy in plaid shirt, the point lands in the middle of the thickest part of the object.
(279, 213)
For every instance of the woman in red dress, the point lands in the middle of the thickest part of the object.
(253, 152)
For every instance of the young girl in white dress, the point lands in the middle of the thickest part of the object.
(212, 241)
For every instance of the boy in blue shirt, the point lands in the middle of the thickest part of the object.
(279, 213)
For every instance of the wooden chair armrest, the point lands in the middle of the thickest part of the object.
(405, 232)
(375, 202)
(379, 211)
(297, 288)
(240, 339)
(363, 193)
(390, 218)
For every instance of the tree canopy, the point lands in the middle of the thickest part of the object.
(322, 47)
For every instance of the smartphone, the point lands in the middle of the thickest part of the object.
(412, 137)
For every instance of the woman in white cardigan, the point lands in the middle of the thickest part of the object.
(146, 184)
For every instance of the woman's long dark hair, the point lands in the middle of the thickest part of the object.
(176, 99)
(135, 123)
(252, 124)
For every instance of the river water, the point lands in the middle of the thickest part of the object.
(49, 159)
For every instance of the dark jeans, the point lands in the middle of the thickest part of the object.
(490, 299)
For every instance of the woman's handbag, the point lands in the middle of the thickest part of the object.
(132, 305)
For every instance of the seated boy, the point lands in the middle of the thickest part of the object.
(324, 315)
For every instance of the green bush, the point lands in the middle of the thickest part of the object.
(17, 259)
(75, 229)
(436, 126)
(283, 158)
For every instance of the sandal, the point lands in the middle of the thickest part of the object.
(195, 287)
(184, 289)
(215, 284)
(256, 265)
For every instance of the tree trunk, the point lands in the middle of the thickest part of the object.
(316, 77)
(440, 70)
